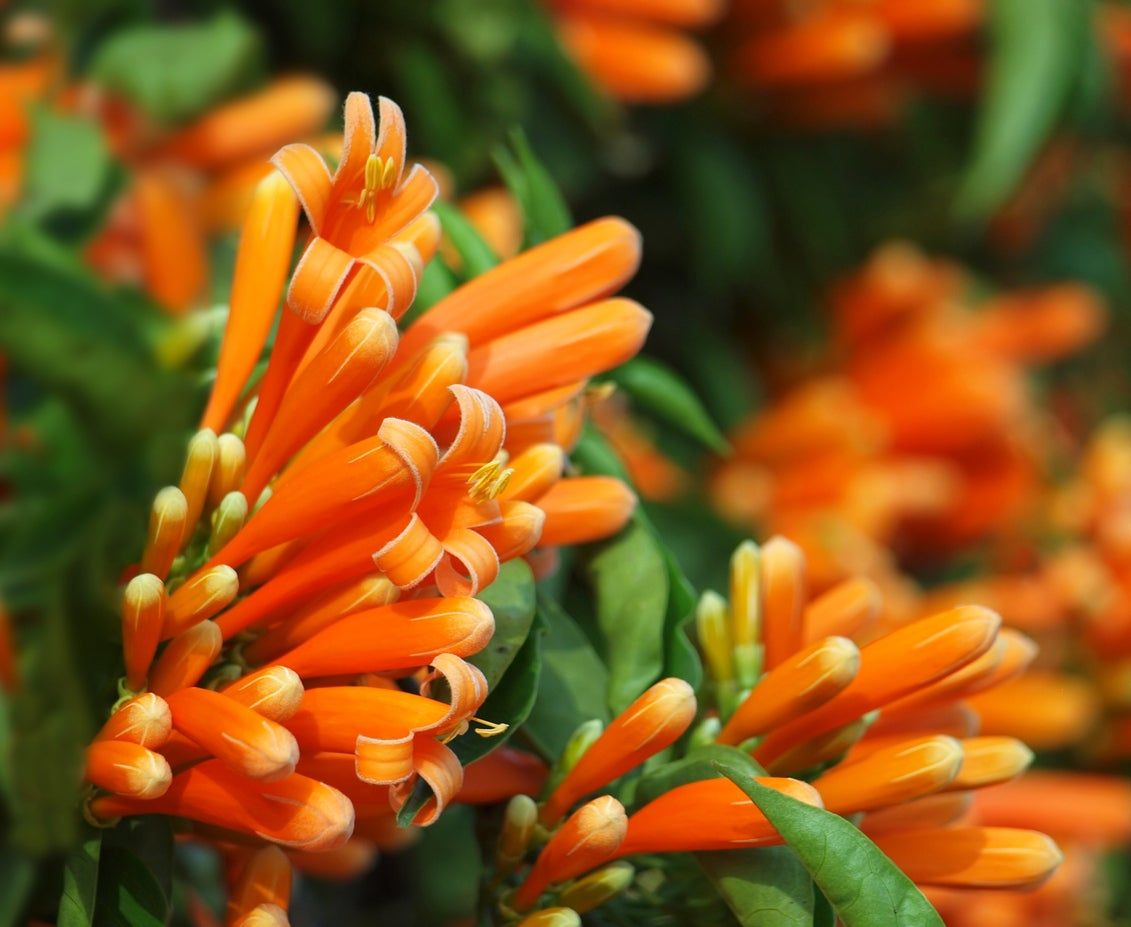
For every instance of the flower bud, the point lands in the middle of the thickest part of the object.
(167, 522)
(598, 887)
(204, 595)
(143, 616)
(518, 827)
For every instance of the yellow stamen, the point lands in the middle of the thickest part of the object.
(379, 175)
(489, 481)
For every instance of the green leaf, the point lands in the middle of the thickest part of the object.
(699, 763)
(446, 865)
(573, 683)
(80, 883)
(630, 581)
(512, 599)
(17, 876)
(509, 701)
(421, 792)
(1035, 49)
(543, 205)
(69, 171)
(865, 888)
(128, 893)
(175, 72)
(661, 391)
(681, 658)
(474, 252)
(764, 887)
(87, 344)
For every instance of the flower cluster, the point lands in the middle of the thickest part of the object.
(918, 433)
(297, 633)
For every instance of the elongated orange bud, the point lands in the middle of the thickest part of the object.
(174, 263)
(262, 261)
(227, 475)
(1046, 710)
(801, 683)
(397, 636)
(344, 864)
(1075, 806)
(274, 692)
(581, 265)
(263, 915)
(144, 719)
(533, 472)
(932, 811)
(711, 814)
(365, 593)
(848, 609)
(588, 839)
(820, 749)
(262, 877)
(828, 47)
(185, 658)
(650, 724)
(1010, 656)
(233, 733)
(143, 616)
(972, 857)
(896, 774)
(128, 769)
(585, 508)
(636, 61)
(559, 350)
(991, 760)
(296, 811)
(912, 656)
(350, 483)
(167, 521)
(783, 598)
(518, 532)
(205, 594)
(332, 380)
(502, 774)
(200, 460)
(286, 109)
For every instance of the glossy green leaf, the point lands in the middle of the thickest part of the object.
(175, 72)
(763, 887)
(509, 701)
(17, 876)
(446, 866)
(1035, 49)
(681, 658)
(128, 893)
(865, 888)
(80, 883)
(660, 390)
(630, 582)
(512, 599)
(699, 763)
(474, 252)
(573, 684)
(69, 171)
(543, 206)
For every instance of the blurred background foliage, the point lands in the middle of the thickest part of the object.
(747, 217)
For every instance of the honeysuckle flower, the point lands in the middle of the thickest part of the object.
(313, 575)
(635, 49)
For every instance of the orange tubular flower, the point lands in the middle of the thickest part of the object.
(340, 539)
(973, 857)
(889, 725)
(711, 814)
(258, 877)
(632, 47)
(589, 838)
(127, 769)
(295, 811)
(651, 723)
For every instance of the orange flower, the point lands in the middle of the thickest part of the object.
(632, 47)
(589, 838)
(711, 814)
(258, 877)
(127, 768)
(295, 811)
(650, 724)
(973, 857)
